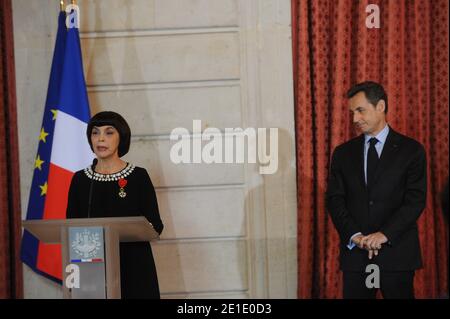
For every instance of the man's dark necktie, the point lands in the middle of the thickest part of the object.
(372, 161)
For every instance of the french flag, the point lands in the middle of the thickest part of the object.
(63, 148)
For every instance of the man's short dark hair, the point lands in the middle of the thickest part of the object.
(118, 122)
(374, 92)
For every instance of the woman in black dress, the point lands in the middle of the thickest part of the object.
(116, 188)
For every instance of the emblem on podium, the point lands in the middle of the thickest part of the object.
(86, 244)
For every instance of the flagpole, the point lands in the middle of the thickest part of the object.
(62, 5)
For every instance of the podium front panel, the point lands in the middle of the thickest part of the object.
(92, 282)
(86, 250)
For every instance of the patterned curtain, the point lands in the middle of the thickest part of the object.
(10, 214)
(408, 54)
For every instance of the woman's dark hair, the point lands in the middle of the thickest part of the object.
(118, 122)
(374, 92)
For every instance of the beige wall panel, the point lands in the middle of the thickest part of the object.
(202, 213)
(118, 15)
(159, 111)
(199, 266)
(154, 155)
(165, 58)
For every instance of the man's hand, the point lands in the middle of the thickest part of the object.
(373, 241)
(373, 253)
(357, 240)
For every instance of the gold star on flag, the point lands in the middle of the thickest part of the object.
(43, 189)
(43, 135)
(55, 112)
(38, 163)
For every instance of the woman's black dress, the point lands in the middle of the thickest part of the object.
(137, 267)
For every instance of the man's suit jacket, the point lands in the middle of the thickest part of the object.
(392, 204)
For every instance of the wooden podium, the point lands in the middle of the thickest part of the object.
(115, 230)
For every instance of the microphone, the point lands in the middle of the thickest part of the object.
(94, 164)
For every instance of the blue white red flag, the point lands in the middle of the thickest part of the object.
(63, 148)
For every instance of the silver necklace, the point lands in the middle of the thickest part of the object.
(109, 177)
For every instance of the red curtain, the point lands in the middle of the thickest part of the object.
(10, 214)
(333, 49)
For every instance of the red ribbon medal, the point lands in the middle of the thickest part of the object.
(122, 183)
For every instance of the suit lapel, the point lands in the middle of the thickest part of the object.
(388, 154)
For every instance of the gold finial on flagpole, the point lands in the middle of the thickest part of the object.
(73, 2)
(62, 5)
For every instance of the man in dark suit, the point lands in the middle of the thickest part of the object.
(376, 192)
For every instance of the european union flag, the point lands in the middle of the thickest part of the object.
(63, 148)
